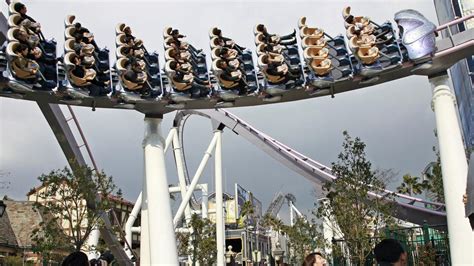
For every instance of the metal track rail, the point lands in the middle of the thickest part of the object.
(408, 208)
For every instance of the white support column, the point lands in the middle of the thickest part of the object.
(195, 180)
(180, 170)
(292, 222)
(205, 197)
(162, 242)
(454, 170)
(92, 242)
(144, 235)
(130, 221)
(220, 227)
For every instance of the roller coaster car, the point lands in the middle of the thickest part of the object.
(76, 87)
(24, 75)
(417, 33)
(19, 79)
(228, 90)
(181, 91)
(127, 90)
(277, 84)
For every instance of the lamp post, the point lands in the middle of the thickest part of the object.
(278, 253)
(230, 256)
(3, 207)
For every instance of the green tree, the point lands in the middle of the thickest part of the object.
(355, 215)
(411, 185)
(200, 243)
(247, 212)
(304, 237)
(434, 178)
(432, 183)
(66, 197)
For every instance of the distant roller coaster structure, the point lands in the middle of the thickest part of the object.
(367, 55)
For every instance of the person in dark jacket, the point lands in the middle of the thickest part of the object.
(97, 87)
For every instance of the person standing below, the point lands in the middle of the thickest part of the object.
(314, 259)
(389, 252)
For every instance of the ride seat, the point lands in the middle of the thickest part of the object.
(259, 28)
(302, 22)
(121, 51)
(11, 8)
(119, 28)
(313, 32)
(346, 13)
(11, 34)
(69, 21)
(214, 42)
(368, 55)
(14, 20)
(69, 45)
(320, 65)
(311, 52)
(313, 42)
(213, 32)
(120, 39)
(283, 69)
(15, 63)
(69, 33)
(167, 32)
(121, 67)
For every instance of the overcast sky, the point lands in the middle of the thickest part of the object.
(394, 119)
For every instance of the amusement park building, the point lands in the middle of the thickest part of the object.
(462, 72)
(121, 210)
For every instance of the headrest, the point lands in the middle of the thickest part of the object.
(14, 20)
(418, 33)
(120, 51)
(68, 59)
(165, 42)
(68, 33)
(260, 49)
(214, 32)
(120, 39)
(346, 12)
(121, 63)
(11, 33)
(168, 69)
(214, 42)
(69, 21)
(259, 38)
(215, 65)
(263, 60)
(69, 45)
(302, 22)
(259, 28)
(215, 53)
(167, 32)
(11, 48)
(138, 42)
(11, 7)
(119, 28)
